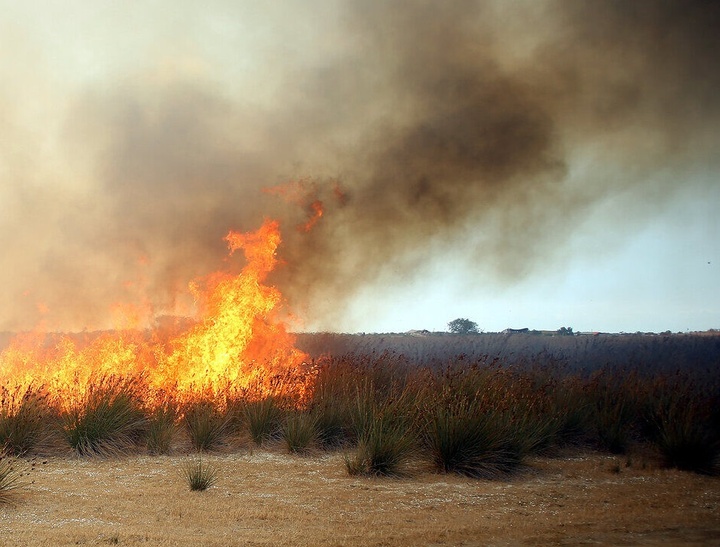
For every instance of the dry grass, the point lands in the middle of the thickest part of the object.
(268, 497)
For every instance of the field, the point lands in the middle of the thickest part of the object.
(650, 352)
(271, 498)
(392, 440)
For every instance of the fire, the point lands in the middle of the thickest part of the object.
(238, 341)
(316, 211)
(304, 192)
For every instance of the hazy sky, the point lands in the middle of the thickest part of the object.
(522, 164)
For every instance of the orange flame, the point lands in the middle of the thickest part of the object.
(316, 208)
(305, 193)
(239, 339)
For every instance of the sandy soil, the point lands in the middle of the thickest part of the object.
(270, 498)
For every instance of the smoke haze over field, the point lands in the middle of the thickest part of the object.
(527, 163)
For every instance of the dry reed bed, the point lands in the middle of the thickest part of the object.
(270, 498)
(398, 454)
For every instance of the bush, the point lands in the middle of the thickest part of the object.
(108, 419)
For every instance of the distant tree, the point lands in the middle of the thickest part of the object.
(565, 331)
(463, 326)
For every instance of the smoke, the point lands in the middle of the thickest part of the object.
(490, 128)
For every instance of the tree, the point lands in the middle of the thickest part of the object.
(565, 331)
(463, 326)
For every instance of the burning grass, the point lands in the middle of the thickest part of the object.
(361, 418)
(472, 418)
(238, 344)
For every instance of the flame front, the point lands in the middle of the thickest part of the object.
(238, 340)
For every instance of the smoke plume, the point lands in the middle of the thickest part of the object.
(488, 127)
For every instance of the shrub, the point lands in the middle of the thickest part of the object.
(24, 419)
(206, 425)
(108, 418)
(200, 476)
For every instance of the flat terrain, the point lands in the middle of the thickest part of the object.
(650, 353)
(267, 497)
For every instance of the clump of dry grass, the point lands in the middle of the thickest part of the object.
(206, 424)
(482, 421)
(264, 419)
(108, 419)
(13, 476)
(24, 419)
(386, 439)
(200, 475)
(161, 429)
(299, 431)
(683, 424)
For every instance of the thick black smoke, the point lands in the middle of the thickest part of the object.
(477, 141)
(440, 125)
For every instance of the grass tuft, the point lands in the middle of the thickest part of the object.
(300, 431)
(383, 449)
(206, 425)
(468, 440)
(161, 430)
(386, 439)
(264, 419)
(200, 475)
(682, 427)
(614, 399)
(12, 473)
(24, 419)
(108, 418)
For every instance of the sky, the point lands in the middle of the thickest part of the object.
(522, 164)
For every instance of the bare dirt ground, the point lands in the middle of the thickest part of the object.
(269, 498)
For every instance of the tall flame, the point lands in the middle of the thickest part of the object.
(238, 339)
